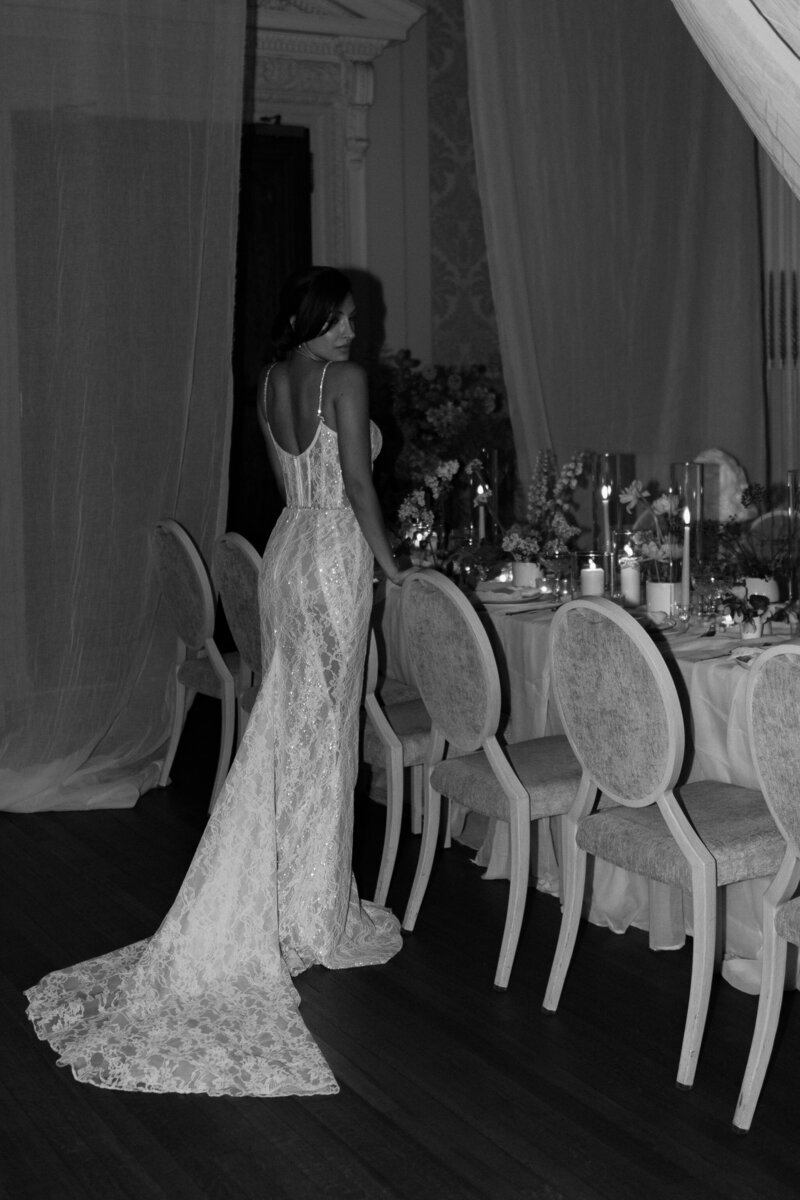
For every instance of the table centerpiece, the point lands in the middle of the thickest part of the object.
(548, 530)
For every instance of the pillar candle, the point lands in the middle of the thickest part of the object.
(631, 579)
(593, 580)
(686, 573)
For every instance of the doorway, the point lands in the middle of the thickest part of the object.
(274, 239)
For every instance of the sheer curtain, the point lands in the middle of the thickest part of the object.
(618, 188)
(120, 140)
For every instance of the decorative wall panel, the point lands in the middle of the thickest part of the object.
(464, 326)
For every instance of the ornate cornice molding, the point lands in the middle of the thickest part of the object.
(316, 45)
(315, 57)
(388, 20)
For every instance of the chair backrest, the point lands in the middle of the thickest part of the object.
(452, 659)
(773, 723)
(185, 583)
(236, 569)
(618, 703)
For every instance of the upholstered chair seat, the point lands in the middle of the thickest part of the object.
(200, 675)
(734, 823)
(787, 921)
(458, 680)
(410, 721)
(546, 765)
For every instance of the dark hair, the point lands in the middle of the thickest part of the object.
(313, 297)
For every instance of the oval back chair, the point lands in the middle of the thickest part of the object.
(621, 712)
(236, 567)
(199, 665)
(457, 678)
(773, 723)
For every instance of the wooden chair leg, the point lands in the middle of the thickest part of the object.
(447, 832)
(432, 804)
(226, 740)
(704, 940)
(417, 775)
(394, 819)
(520, 856)
(242, 718)
(175, 734)
(574, 876)
(773, 974)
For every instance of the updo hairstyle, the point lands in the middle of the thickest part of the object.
(313, 297)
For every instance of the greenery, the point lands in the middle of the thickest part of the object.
(446, 413)
(742, 551)
(450, 419)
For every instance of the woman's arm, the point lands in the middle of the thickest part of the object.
(348, 383)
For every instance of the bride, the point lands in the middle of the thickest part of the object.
(207, 1003)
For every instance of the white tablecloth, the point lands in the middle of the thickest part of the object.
(717, 748)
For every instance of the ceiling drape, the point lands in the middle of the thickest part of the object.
(619, 199)
(754, 49)
(118, 201)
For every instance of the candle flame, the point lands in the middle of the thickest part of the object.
(605, 491)
(687, 516)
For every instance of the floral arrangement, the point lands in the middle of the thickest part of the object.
(753, 614)
(445, 413)
(450, 420)
(548, 527)
(418, 510)
(656, 532)
(741, 551)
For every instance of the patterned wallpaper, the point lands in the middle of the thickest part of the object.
(464, 326)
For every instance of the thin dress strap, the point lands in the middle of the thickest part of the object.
(266, 385)
(319, 404)
(321, 385)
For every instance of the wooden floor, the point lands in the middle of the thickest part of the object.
(448, 1088)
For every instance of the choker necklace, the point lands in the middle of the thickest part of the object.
(306, 353)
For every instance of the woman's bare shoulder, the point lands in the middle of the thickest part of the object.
(346, 376)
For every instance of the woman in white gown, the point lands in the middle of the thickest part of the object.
(207, 1003)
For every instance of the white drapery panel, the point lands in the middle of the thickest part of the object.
(618, 189)
(118, 204)
(754, 48)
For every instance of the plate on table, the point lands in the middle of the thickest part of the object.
(656, 621)
(511, 595)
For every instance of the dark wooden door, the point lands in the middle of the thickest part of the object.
(274, 239)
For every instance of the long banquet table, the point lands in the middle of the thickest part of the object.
(717, 748)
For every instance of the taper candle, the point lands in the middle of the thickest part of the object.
(605, 493)
(481, 502)
(686, 573)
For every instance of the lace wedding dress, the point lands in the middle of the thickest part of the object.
(207, 1004)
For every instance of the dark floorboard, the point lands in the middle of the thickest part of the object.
(448, 1088)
